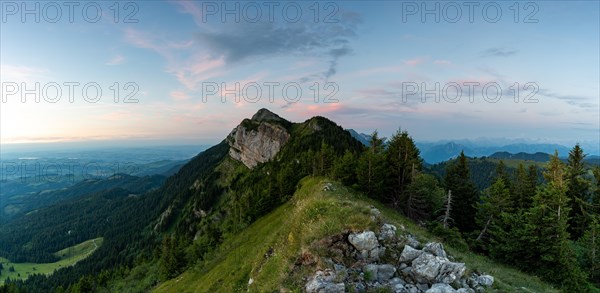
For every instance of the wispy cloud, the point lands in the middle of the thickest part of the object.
(414, 61)
(179, 96)
(116, 60)
(215, 50)
(21, 73)
(499, 52)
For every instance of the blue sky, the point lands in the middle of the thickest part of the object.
(364, 60)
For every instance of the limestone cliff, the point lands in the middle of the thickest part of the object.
(259, 139)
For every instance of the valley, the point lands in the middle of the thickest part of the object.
(67, 257)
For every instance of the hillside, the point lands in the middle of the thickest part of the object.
(265, 256)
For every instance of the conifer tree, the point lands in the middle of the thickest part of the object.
(424, 196)
(596, 195)
(590, 242)
(494, 202)
(578, 192)
(371, 168)
(402, 156)
(501, 173)
(545, 234)
(344, 168)
(464, 192)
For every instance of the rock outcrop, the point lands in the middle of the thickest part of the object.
(259, 139)
(366, 261)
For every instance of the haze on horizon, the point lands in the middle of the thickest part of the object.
(371, 65)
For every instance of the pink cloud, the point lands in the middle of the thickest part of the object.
(191, 8)
(414, 62)
(179, 96)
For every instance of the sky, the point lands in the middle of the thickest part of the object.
(190, 71)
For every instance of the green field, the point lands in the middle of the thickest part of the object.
(68, 256)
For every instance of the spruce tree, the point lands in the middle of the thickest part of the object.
(577, 191)
(596, 195)
(548, 250)
(494, 202)
(402, 156)
(424, 197)
(590, 243)
(464, 193)
(520, 197)
(344, 168)
(371, 168)
(501, 173)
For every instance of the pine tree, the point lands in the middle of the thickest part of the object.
(596, 195)
(325, 158)
(424, 197)
(172, 261)
(371, 168)
(545, 234)
(464, 192)
(577, 191)
(402, 156)
(494, 202)
(590, 242)
(501, 173)
(344, 168)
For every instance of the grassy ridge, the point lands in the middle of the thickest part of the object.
(68, 256)
(289, 230)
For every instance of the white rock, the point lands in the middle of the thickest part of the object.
(485, 280)
(387, 232)
(441, 288)
(436, 249)
(363, 241)
(409, 254)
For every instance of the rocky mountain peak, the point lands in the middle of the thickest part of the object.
(266, 115)
(259, 139)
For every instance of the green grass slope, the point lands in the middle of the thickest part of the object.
(267, 250)
(68, 257)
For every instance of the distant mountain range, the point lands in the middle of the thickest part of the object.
(435, 152)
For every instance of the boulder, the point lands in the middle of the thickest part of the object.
(385, 272)
(380, 273)
(441, 288)
(426, 267)
(412, 241)
(323, 282)
(363, 241)
(485, 280)
(367, 245)
(436, 249)
(387, 232)
(450, 272)
(434, 269)
(409, 254)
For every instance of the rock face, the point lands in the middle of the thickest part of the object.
(257, 140)
(369, 262)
